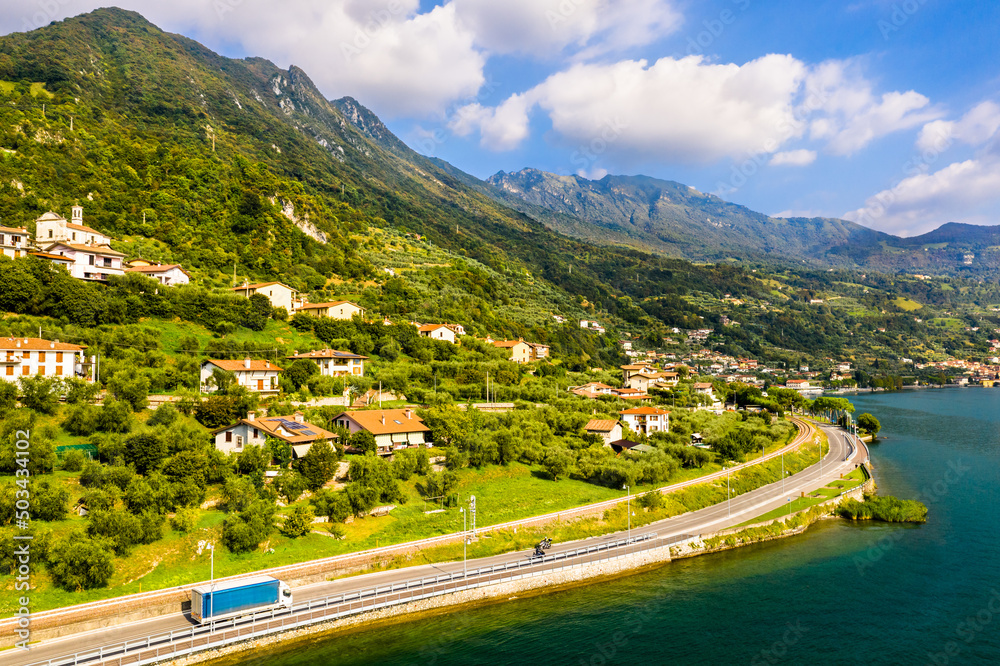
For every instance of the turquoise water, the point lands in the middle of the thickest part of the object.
(839, 594)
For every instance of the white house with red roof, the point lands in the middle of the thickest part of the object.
(647, 419)
(280, 295)
(446, 332)
(165, 274)
(255, 375)
(36, 357)
(14, 242)
(254, 431)
(798, 384)
(333, 309)
(89, 262)
(393, 429)
(335, 363)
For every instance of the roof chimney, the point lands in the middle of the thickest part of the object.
(251, 416)
(383, 418)
(267, 364)
(246, 363)
(299, 418)
(52, 345)
(409, 413)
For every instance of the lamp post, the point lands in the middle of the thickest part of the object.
(465, 543)
(628, 509)
(211, 599)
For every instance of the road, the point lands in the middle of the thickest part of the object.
(840, 459)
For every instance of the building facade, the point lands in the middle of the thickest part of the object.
(165, 274)
(647, 419)
(333, 309)
(34, 357)
(394, 429)
(253, 431)
(14, 242)
(335, 363)
(280, 295)
(255, 375)
(89, 262)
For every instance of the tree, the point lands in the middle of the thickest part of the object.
(146, 451)
(299, 372)
(238, 493)
(41, 453)
(252, 462)
(298, 522)
(217, 411)
(40, 394)
(115, 416)
(164, 415)
(363, 441)
(133, 390)
(279, 450)
(335, 506)
(79, 391)
(80, 563)
(49, 501)
(8, 397)
(81, 420)
(290, 485)
(558, 462)
(869, 424)
(319, 465)
(244, 531)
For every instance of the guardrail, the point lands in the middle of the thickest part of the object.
(217, 634)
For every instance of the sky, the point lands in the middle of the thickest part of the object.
(883, 112)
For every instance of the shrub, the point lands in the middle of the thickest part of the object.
(164, 415)
(298, 522)
(184, 521)
(80, 563)
(74, 461)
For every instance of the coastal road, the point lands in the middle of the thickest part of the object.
(841, 458)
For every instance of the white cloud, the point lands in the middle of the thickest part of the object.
(967, 191)
(694, 111)
(501, 128)
(388, 54)
(800, 157)
(848, 115)
(547, 27)
(974, 128)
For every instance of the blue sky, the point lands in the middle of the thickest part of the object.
(884, 112)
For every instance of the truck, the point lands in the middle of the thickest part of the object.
(217, 601)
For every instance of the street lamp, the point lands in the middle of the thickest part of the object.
(465, 542)
(628, 509)
(211, 599)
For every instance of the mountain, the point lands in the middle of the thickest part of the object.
(674, 219)
(239, 166)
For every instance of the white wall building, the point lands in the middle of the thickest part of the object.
(89, 262)
(333, 309)
(253, 431)
(165, 274)
(335, 363)
(256, 375)
(438, 332)
(52, 228)
(280, 295)
(30, 357)
(647, 419)
(13, 242)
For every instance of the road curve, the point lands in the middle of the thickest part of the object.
(842, 457)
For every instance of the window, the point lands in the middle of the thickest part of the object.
(91, 258)
(59, 370)
(50, 233)
(229, 436)
(25, 370)
(59, 357)
(10, 371)
(41, 357)
(74, 235)
(256, 433)
(239, 442)
(12, 241)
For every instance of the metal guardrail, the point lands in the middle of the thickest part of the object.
(170, 645)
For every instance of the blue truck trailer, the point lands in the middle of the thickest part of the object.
(217, 601)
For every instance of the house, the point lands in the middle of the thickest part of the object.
(609, 430)
(253, 431)
(629, 371)
(32, 357)
(52, 228)
(591, 390)
(644, 381)
(394, 429)
(335, 363)
(165, 274)
(13, 242)
(630, 394)
(57, 259)
(647, 419)
(444, 332)
(538, 350)
(702, 388)
(89, 262)
(255, 375)
(519, 350)
(280, 295)
(333, 309)
(797, 384)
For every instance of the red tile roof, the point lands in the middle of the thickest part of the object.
(649, 411)
(256, 365)
(162, 268)
(327, 353)
(37, 344)
(95, 249)
(314, 306)
(600, 425)
(387, 421)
